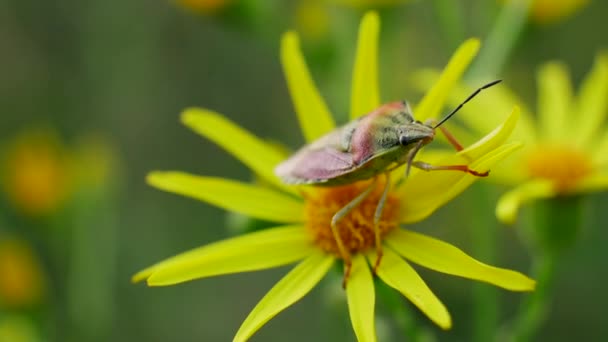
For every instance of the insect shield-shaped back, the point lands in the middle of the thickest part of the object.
(359, 150)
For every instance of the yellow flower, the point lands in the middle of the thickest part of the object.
(95, 162)
(565, 147)
(305, 213)
(312, 18)
(551, 11)
(35, 173)
(21, 280)
(16, 328)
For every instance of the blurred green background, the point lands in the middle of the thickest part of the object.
(98, 86)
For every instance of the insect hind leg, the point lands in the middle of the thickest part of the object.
(340, 214)
(377, 217)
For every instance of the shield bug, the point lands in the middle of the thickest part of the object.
(368, 147)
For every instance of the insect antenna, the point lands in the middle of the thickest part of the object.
(467, 100)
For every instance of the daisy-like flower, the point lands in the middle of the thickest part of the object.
(17, 328)
(22, 283)
(312, 19)
(305, 213)
(35, 172)
(551, 11)
(565, 146)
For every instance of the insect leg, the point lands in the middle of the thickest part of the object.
(448, 135)
(410, 157)
(428, 167)
(451, 138)
(340, 214)
(377, 216)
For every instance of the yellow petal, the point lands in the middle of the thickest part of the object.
(592, 106)
(492, 158)
(295, 285)
(258, 155)
(598, 182)
(600, 154)
(425, 192)
(361, 299)
(243, 198)
(487, 110)
(398, 274)
(315, 119)
(365, 91)
(445, 258)
(433, 101)
(554, 101)
(433, 156)
(511, 170)
(509, 203)
(505, 174)
(494, 139)
(255, 251)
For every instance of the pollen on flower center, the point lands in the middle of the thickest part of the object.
(563, 165)
(357, 228)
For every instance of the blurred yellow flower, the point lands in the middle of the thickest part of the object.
(305, 213)
(15, 328)
(21, 279)
(95, 162)
(565, 148)
(312, 18)
(551, 11)
(36, 173)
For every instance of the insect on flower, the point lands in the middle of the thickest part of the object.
(369, 147)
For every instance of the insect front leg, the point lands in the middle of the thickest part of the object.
(448, 135)
(410, 158)
(451, 138)
(340, 214)
(464, 168)
(377, 216)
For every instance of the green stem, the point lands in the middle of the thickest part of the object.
(551, 230)
(335, 322)
(500, 41)
(484, 230)
(533, 311)
(92, 269)
(401, 314)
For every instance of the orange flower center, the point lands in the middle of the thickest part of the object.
(356, 229)
(563, 165)
(21, 281)
(36, 178)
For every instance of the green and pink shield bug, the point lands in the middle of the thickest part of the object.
(367, 148)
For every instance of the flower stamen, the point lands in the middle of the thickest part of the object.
(356, 229)
(564, 165)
